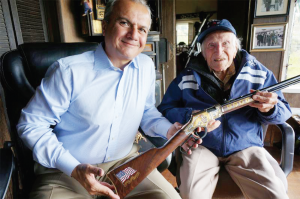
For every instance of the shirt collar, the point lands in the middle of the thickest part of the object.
(225, 83)
(102, 61)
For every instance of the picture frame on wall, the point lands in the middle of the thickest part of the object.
(268, 37)
(99, 6)
(267, 8)
(91, 19)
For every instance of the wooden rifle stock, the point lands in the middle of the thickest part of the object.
(128, 175)
(141, 166)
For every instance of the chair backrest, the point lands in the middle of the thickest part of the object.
(21, 71)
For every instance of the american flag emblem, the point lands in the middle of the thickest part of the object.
(213, 23)
(125, 174)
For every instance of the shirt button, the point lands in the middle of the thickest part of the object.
(115, 69)
(116, 116)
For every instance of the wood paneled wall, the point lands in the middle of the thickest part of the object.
(277, 61)
(69, 17)
(237, 12)
(293, 99)
(273, 60)
(169, 32)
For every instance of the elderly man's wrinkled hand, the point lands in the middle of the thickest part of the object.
(85, 174)
(264, 101)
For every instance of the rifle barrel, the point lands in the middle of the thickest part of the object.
(273, 88)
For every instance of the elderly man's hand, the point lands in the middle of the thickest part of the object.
(85, 174)
(192, 143)
(264, 101)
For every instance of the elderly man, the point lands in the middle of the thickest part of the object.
(222, 72)
(96, 101)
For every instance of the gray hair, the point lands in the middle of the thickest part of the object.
(110, 5)
(238, 42)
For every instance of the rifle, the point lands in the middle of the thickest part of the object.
(128, 175)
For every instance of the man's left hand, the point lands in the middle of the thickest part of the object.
(264, 101)
(192, 142)
(85, 175)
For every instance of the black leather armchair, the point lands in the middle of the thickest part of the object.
(21, 71)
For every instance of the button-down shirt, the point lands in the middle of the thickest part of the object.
(96, 109)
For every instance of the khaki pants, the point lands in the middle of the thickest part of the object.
(53, 184)
(249, 168)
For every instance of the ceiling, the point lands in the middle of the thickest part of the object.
(195, 6)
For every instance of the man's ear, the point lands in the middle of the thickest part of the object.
(203, 54)
(236, 51)
(104, 25)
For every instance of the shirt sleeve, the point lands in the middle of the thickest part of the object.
(153, 123)
(51, 100)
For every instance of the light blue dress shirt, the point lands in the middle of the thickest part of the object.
(96, 107)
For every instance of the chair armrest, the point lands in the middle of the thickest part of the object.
(6, 170)
(288, 145)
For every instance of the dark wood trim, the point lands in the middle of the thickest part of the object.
(9, 25)
(188, 16)
(168, 24)
(51, 20)
(60, 19)
(16, 22)
(43, 13)
(237, 12)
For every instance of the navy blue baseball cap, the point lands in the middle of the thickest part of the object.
(215, 25)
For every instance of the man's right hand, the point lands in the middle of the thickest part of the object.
(85, 174)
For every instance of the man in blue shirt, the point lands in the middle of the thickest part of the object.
(97, 100)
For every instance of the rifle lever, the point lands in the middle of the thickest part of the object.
(196, 138)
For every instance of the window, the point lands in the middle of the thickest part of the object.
(294, 54)
(185, 33)
(182, 30)
(293, 68)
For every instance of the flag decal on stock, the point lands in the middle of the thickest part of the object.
(126, 174)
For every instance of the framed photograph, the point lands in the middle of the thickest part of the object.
(266, 8)
(268, 37)
(99, 6)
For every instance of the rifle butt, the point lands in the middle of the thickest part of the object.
(128, 175)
